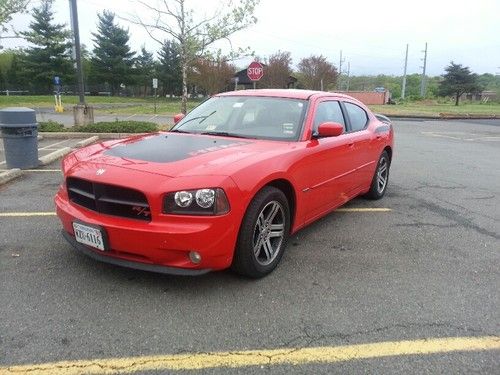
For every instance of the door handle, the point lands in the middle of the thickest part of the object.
(350, 144)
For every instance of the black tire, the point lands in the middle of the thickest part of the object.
(264, 232)
(377, 189)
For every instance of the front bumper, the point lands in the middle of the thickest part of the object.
(162, 245)
(126, 263)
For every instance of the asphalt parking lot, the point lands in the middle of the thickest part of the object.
(45, 147)
(425, 272)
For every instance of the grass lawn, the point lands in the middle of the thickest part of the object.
(110, 104)
(130, 106)
(432, 108)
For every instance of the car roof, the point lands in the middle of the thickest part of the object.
(283, 93)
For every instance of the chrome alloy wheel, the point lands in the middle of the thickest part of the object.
(382, 175)
(268, 233)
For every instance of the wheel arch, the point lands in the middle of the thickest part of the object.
(389, 152)
(287, 188)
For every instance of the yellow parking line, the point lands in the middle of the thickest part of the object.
(265, 357)
(26, 214)
(363, 209)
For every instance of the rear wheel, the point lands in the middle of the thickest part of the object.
(380, 178)
(263, 234)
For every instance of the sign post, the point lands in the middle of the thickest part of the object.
(155, 87)
(57, 96)
(255, 72)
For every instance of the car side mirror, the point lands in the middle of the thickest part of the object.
(178, 117)
(330, 129)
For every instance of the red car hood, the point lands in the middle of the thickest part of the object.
(175, 154)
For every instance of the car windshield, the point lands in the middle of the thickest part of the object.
(246, 117)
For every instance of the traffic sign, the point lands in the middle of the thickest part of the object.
(255, 71)
(155, 83)
(57, 81)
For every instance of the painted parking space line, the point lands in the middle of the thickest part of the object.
(26, 214)
(264, 357)
(49, 213)
(53, 144)
(41, 170)
(363, 209)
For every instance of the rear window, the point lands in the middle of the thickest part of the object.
(357, 116)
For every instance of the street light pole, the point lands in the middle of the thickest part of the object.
(78, 54)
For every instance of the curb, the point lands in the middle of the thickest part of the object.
(53, 156)
(87, 141)
(442, 116)
(10, 175)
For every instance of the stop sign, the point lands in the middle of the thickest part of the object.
(255, 71)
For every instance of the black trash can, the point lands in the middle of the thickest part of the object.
(20, 137)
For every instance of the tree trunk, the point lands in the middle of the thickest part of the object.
(184, 88)
(457, 98)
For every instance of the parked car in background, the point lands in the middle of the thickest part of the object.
(228, 185)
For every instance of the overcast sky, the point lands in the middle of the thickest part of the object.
(371, 34)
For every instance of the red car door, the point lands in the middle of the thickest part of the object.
(328, 166)
(364, 157)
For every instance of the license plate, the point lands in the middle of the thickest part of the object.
(88, 235)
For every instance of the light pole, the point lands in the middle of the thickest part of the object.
(83, 114)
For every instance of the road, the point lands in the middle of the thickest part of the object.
(426, 269)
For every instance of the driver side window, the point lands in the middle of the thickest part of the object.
(328, 112)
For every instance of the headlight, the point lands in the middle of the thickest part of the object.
(210, 201)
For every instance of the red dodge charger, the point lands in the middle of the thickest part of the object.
(228, 185)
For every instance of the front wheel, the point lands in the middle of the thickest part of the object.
(263, 234)
(380, 178)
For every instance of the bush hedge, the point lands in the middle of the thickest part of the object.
(102, 127)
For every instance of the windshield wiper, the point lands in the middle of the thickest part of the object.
(179, 131)
(203, 118)
(224, 134)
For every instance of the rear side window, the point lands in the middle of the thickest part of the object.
(357, 116)
(328, 112)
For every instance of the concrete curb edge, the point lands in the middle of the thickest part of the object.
(9, 175)
(53, 156)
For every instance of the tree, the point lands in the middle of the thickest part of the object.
(50, 56)
(458, 80)
(195, 35)
(112, 60)
(277, 70)
(317, 73)
(170, 68)
(8, 8)
(212, 76)
(145, 69)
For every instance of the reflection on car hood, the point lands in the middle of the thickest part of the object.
(174, 154)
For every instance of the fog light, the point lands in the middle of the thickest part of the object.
(195, 257)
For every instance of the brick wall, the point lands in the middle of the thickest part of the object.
(369, 97)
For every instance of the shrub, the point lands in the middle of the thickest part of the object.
(118, 127)
(50, 126)
(101, 127)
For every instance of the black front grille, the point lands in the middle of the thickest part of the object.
(109, 199)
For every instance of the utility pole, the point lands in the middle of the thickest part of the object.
(422, 83)
(83, 114)
(76, 49)
(348, 75)
(341, 60)
(403, 88)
